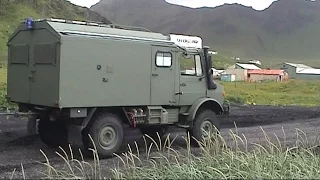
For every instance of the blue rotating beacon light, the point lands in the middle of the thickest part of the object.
(29, 23)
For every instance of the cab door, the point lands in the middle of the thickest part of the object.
(192, 80)
(162, 76)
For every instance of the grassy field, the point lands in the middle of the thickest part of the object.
(292, 92)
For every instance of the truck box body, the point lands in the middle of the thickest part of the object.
(61, 64)
(78, 78)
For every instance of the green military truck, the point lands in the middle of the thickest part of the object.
(82, 78)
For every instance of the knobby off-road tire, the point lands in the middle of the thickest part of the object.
(107, 132)
(152, 132)
(53, 133)
(206, 119)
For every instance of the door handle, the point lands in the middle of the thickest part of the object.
(183, 84)
(154, 74)
(179, 93)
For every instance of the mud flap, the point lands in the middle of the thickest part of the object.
(32, 125)
(74, 135)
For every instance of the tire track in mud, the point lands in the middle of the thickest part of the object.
(250, 116)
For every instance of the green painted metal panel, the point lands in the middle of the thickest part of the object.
(163, 70)
(217, 94)
(99, 72)
(29, 80)
(44, 68)
(18, 84)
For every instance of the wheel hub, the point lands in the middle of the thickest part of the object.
(206, 128)
(107, 137)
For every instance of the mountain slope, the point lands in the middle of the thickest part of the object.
(14, 11)
(287, 30)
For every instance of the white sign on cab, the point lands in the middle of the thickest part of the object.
(186, 41)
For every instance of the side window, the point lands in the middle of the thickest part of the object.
(163, 59)
(190, 65)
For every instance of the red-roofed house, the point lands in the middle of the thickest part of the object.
(267, 74)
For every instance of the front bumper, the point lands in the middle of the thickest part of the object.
(226, 107)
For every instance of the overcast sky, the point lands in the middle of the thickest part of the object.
(255, 4)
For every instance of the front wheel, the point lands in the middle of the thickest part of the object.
(205, 124)
(107, 133)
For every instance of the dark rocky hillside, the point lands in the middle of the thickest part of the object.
(287, 30)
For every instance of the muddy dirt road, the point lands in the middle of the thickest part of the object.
(17, 148)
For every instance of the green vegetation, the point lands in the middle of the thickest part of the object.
(221, 62)
(13, 12)
(292, 92)
(215, 159)
(4, 104)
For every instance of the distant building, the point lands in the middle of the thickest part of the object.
(308, 74)
(213, 52)
(243, 66)
(217, 71)
(292, 68)
(216, 74)
(240, 70)
(235, 58)
(257, 62)
(228, 77)
(267, 74)
(300, 71)
(246, 66)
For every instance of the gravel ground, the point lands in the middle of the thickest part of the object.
(17, 148)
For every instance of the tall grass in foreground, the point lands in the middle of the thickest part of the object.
(215, 158)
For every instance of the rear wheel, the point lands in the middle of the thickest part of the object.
(206, 123)
(107, 134)
(53, 133)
